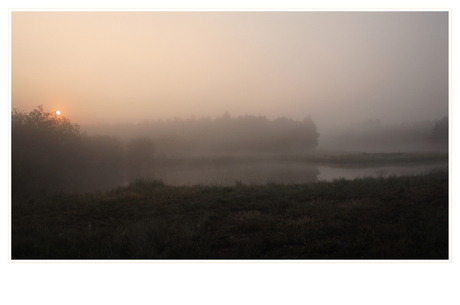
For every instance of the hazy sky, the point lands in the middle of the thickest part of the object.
(338, 67)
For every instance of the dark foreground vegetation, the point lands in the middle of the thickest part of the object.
(369, 218)
(56, 212)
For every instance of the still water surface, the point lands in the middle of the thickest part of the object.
(279, 172)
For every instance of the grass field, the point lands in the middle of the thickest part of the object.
(369, 218)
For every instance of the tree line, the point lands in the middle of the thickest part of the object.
(50, 154)
(225, 134)
(375, 136)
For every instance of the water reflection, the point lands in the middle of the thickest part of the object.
(277, 172)
(253, 173)
(328, 173)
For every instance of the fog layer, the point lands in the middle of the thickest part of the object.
(50, 154)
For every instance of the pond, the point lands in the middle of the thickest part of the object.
(286, 172)
(330, 173)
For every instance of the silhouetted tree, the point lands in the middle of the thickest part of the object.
(440, 134)
(49, 154)
(310, 133)
(225, 134)
(43, 148)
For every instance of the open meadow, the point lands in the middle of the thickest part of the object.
(390, 217)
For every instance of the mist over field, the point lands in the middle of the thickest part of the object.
(247, 133)
(170, 95)
(50, 154)
(230, 135)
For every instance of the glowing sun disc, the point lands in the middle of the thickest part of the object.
(58, 112)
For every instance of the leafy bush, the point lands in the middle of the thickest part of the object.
(49, 154)
(43, 150)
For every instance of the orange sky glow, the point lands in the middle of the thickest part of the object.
(338, 67)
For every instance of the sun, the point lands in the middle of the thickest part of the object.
(58, 112)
